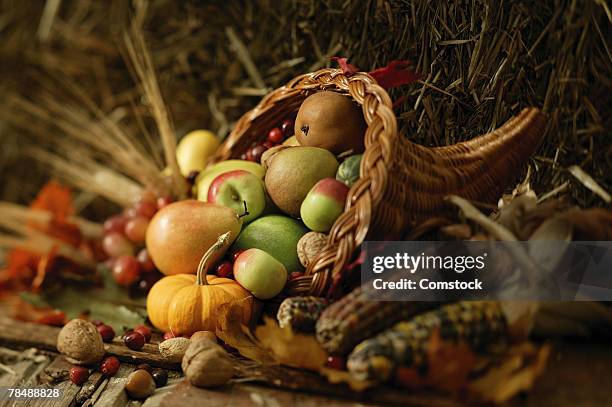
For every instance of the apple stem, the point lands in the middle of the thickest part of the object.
(246, 212)
(204, 264)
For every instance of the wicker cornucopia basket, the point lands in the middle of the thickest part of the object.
(400, 182)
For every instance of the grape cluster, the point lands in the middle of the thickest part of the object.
(275, 137)
(124, 244)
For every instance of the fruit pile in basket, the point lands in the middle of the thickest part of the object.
(252, 224)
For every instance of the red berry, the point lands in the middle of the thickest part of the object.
(295, 274)
(236, 254)
(170, 335)
(134, 340)
(256, 153)
(115, 224)
(136, 229)
(145, 331)
(106, 332)
(243, 156)
(110, 366)
(145, 260)
(115, 245)
(126, 270)
(268, 144)
(287, 127)
(336, 362)
(78, 375)
(224, 269)
(130, 212)
(146, 208)
(96, 322)
(163, 201)
(275, 135)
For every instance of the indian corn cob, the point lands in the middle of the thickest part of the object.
(355, 317)
(478, 323)
(301, 313)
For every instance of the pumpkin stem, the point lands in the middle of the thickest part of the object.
(203, 266)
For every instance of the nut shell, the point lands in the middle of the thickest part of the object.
(173, 350)
(309, 246)
(207, 364)
(140, 384)
(80, 342)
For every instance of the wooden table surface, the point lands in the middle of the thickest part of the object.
(577, 375)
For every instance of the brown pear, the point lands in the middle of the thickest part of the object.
(331, 121)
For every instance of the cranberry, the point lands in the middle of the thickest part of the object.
(336, 362)
(163, 201)
(236, 254)
(97, 322)
(275, 135)
(134, 340)
(130, 212)
(295, 274)
(287, 127)
(110, 366)
(243, 156)
(256, 153)
(224, 269)
(145, 331)
(79, 375)
(106, 332)
(115, 224)
(145, 260)
(136, 229)
(160, 377)
(146, 367)
(268, 144)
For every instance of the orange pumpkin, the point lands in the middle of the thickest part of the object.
(186, 303)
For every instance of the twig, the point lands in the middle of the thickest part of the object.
(244, 57)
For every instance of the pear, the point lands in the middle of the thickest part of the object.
(180, 233)
(292, 172)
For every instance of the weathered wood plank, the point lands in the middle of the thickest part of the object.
(113, 394)
(25, 335)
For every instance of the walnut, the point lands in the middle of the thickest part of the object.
(173, 350)
(80, 342)
(309, 246)
(199, 335)
(207, 364)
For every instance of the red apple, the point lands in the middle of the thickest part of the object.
(260, 273)
(323, 204)
(234, 188)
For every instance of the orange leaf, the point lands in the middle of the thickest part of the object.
(55, 198)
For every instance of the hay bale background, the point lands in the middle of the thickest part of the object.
(480, 61)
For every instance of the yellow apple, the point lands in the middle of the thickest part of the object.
(194, 149)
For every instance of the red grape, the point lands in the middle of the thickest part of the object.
(163, 202)
(126, 270)
(115, 224)
(224, 269)
(116, 245)
(145, 260)
(236, 254)
(146, 208)
(287, 127)
(256, 153)
(136, 229)
(275, 135)
(130, 212)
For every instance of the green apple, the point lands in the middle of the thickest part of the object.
(277, 235)
(194, 149)
(207, 176)
(323, 204)
(237, 189)
(260, 273)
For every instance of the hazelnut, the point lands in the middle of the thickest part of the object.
(80, 342)
(199, 335)
(309, 246)
(140, 384)
(206, 364)
(172, 350)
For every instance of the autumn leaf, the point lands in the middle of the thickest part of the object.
(395, 74)
(347, 68)
(290, 348)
